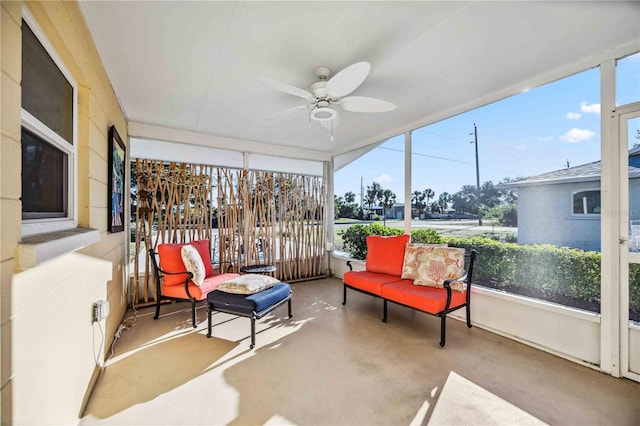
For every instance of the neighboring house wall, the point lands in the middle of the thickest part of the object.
(634, 199)
(545, 215)
(49, 346)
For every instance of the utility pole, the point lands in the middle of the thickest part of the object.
(475, 133)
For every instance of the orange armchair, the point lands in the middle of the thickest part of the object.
(174, 282)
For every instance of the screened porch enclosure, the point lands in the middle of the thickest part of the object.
(249, 217)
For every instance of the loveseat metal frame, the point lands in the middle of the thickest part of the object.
(442, 314)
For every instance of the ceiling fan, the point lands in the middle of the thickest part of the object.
(325, 94)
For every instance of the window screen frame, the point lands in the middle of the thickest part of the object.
(34, 222)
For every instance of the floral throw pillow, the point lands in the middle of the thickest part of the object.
(444, 263)
(247, 284)
(194, 264)
(414, 255)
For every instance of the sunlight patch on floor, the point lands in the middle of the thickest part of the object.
(277, 420)
(420, 415)
(463, 402)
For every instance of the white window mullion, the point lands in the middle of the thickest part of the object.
(610, 202)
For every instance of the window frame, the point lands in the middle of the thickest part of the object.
(585, 215)
(32, 124)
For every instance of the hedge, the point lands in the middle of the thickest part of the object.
(545, 268)
(354, 238)
(553, 273)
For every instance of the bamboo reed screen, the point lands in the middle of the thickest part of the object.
(263, 218)
(174, 205)
(272, 218)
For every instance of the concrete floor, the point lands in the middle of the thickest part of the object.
(340, 365)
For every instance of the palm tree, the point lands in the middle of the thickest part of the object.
(373, 194)
(417, 198)
(443, 201)
(387, 201)
(428, 194)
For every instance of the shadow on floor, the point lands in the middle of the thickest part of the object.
(143, 375)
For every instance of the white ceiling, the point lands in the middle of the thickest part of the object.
(186, 71)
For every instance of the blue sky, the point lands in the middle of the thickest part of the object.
(528, 134)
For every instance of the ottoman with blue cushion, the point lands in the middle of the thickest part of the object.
(253, 306)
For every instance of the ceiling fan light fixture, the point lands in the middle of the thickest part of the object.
(323, 114)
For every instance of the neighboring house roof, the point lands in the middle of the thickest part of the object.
(589, 172)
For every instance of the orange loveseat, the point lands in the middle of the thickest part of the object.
(428, 278)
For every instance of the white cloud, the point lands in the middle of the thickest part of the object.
(577, 135)
(545, 138)
(592, 108)
(574, 115)
(383, 178)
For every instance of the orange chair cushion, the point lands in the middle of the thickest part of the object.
(371, 282)
(171, 260)
(199, 293)
(428, 299)
(386, 254)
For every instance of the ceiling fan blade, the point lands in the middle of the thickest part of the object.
(287, 111)
(364, 104)
(347, 80)
(286, 88)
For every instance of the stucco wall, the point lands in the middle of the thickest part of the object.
(49, 346)
(544, 217)
(634, 199)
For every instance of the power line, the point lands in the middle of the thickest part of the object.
(442, 136)
(424, 155)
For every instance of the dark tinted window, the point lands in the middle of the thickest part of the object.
(586, 202)
(46, 93)
(44, 177)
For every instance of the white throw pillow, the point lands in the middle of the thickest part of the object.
(194, 264)
(247, 284)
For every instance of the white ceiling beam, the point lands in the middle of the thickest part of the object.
(150, 131)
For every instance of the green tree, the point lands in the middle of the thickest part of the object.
(428, 195)
(418, 201)
(443, 201)
(374, 192)
(509, 196)
(349, 197)
(387, 200)
(490, 196)
(338, 203)
(465, 200)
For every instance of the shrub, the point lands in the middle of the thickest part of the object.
(354, 238)
(511, 238)
(426, 236)
(546, 268)
(555, 273)
(506, 214)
